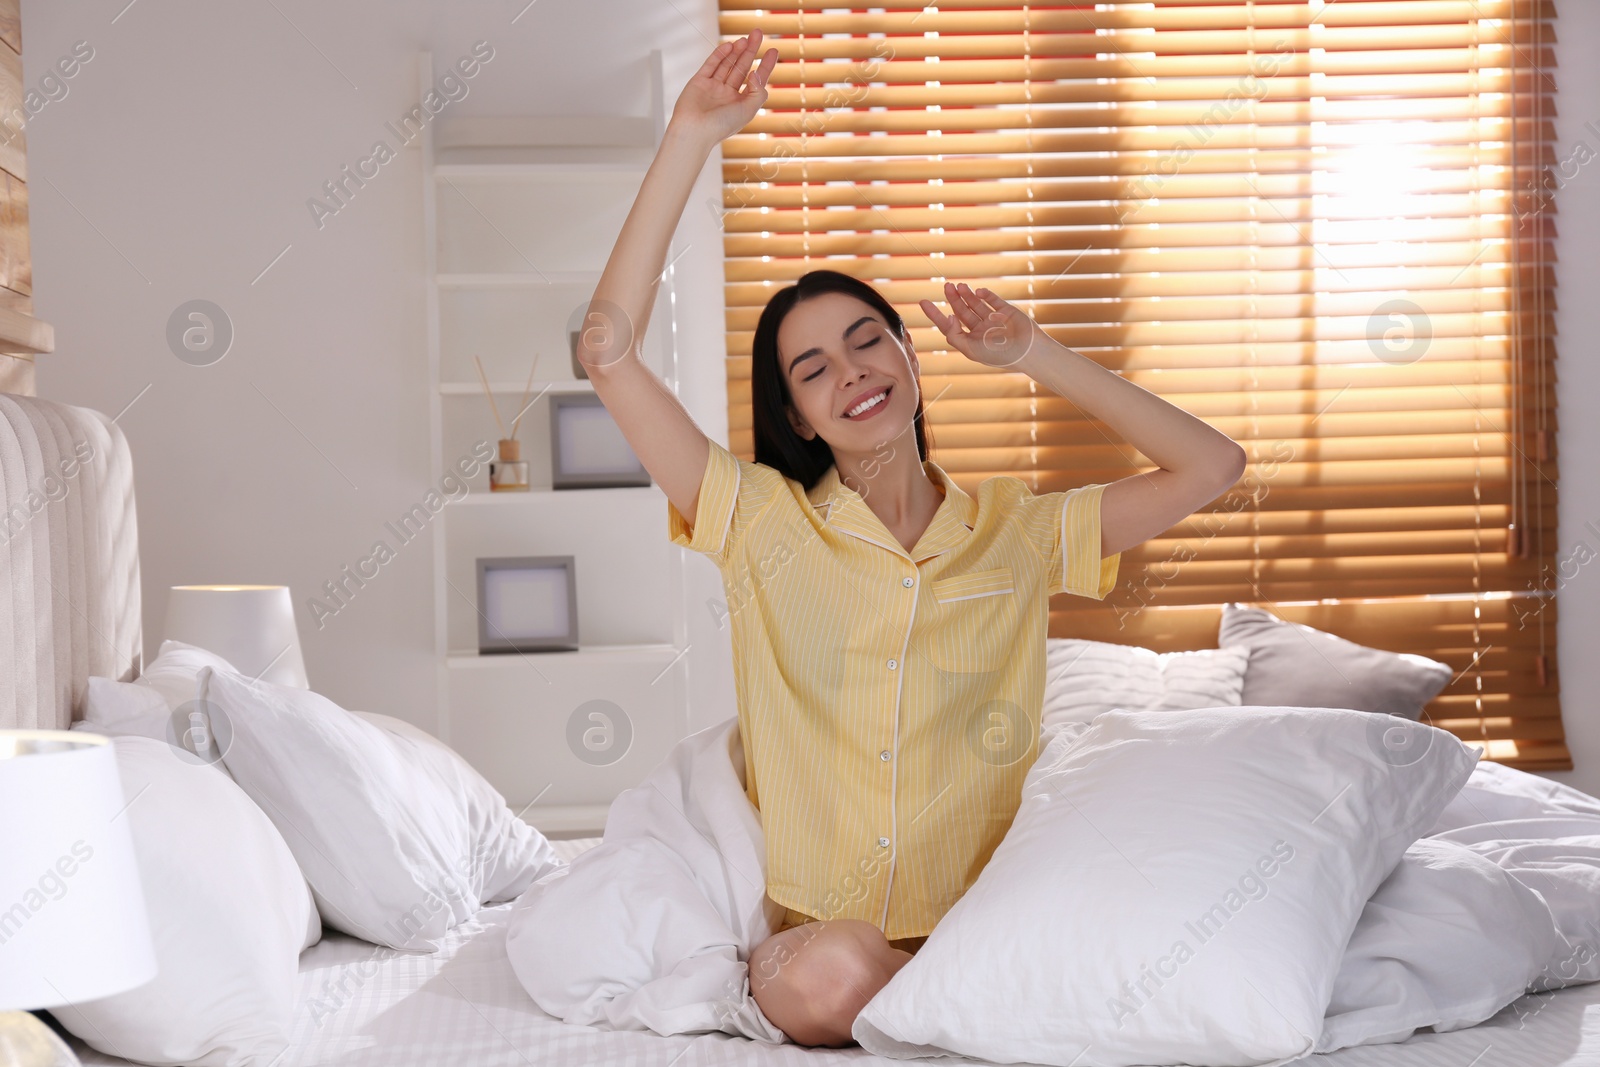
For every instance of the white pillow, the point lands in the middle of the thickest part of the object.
(398, 836)
(1084, 678)
(1177, 887)
(229, 912)
(149, 706)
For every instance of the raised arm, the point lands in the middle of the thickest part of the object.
(1196, 463)
(658, 428)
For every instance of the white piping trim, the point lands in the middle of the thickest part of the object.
(1061, 539)
(898, 550)
(973, 596)
(727, 522)
(894, 768)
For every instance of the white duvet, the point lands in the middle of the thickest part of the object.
(1501, 897)
(650, 929)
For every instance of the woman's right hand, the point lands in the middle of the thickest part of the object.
(712, 104)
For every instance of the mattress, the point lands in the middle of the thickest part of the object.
(365, 1006)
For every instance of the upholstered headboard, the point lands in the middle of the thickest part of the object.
(69, 560)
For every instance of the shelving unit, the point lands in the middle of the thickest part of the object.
(473, 661)
(514, 388)
(514, 280)
(469, 171)
(519, 215)
(536, 496)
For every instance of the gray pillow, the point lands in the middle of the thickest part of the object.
(1300, 666)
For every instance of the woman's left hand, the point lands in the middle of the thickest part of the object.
(983, 327)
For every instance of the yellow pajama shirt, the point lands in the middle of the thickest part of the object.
(888, 700)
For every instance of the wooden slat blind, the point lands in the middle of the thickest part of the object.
(1323, 227)
(16, 262)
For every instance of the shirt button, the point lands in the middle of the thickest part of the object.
(884, 755)
(883, 842)
(908, 582)
(893, 665)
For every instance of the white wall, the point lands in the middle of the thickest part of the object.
(179, 165)
(1577, 206)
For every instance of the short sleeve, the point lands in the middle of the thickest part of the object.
(732, 494)
(1066, 531)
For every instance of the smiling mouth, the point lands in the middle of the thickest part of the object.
(873, 403)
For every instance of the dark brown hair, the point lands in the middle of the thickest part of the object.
(777, 445)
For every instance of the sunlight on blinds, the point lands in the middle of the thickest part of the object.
(1324, 228)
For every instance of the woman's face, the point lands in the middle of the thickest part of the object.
(836, 351)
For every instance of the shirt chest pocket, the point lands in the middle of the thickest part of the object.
(975, 615)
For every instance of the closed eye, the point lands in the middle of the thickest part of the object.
(869, 344)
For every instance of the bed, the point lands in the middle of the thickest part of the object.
(361, 1006)
(70, 609)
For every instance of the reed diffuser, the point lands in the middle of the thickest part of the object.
(508, 473)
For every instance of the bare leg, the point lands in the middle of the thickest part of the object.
(813, 980)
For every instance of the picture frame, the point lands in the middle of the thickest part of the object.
(527, 604)
(587, 447)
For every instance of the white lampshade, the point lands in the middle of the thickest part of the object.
(74, 926)
(250, 626)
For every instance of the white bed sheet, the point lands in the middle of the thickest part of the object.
(364, 1006)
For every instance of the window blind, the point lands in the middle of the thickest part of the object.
(1323, 227)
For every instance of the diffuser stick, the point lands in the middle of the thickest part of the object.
(488, 394)
(526, 389)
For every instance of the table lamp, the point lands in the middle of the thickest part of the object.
(250, 626)
(74, 926)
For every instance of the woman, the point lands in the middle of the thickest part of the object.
(888, 628)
